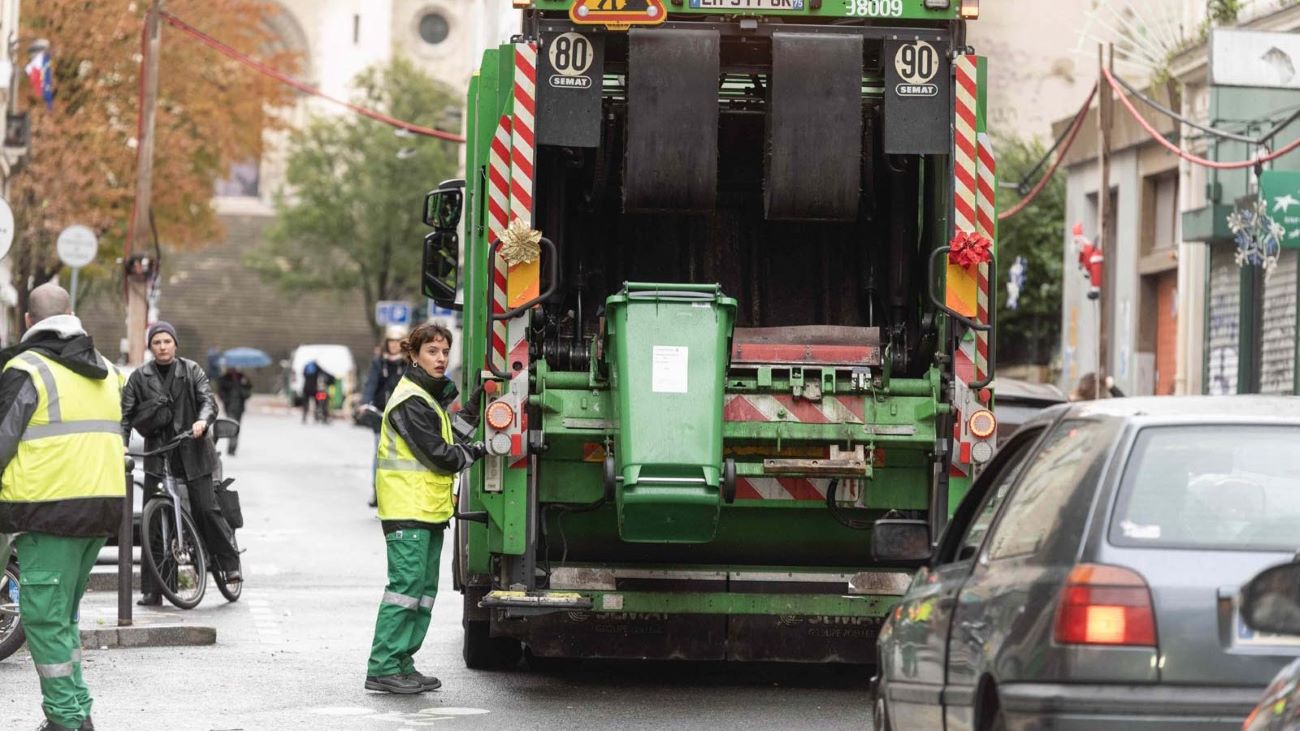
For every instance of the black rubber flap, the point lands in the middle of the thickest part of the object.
(672, 129)
(814, 128)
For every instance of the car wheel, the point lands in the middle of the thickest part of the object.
(880, 711)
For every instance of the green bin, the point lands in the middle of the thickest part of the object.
(669, 346)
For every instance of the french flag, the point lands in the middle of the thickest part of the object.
(41, 76)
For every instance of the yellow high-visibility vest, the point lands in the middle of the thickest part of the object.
(406, 489)
(72, 446)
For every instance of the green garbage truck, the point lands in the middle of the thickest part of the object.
(725, 269)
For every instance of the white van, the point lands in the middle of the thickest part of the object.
(336, 359)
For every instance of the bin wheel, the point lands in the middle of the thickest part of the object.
(729, 480)
(611, 476)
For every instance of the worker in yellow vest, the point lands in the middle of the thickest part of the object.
(418, 460)
(61, 489)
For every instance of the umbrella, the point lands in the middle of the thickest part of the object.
(245, 358)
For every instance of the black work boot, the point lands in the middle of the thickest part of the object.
(87, 725)
(394, 684)
(152, 599)
(48, 725)
(427, 682)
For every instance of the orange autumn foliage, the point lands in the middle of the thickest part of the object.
(82, 165)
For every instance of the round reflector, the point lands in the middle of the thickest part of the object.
(981, 452)
(982, 424)
(499, 415)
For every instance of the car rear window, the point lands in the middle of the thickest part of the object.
(1215, 486)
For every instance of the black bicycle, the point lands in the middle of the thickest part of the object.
(171, 547)
(11, 627)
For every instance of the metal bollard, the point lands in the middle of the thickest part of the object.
(124, 546)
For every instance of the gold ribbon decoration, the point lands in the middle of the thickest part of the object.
(520, 244)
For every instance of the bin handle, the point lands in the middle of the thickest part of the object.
(551, 285)
(673, 294)
(972, 324)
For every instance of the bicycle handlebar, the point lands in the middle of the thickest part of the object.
(169, 446)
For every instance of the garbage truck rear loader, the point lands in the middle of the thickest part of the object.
(725, 268)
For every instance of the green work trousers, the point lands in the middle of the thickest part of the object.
(55, 570)
(407, 606)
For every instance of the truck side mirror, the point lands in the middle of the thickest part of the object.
(442, 207)
(906, 541)
(441, 270)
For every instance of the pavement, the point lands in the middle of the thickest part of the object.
(291, 654)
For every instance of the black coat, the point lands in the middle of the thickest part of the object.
(192, 401)
(234, 389)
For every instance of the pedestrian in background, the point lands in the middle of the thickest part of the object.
(315, 380)
(166, 397)
(386, 370)
(234, 388)
(418, 464)
(62, 487)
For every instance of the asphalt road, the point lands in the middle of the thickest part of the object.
(292, 653)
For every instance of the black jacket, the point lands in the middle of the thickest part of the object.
(234, 389)
(89, 517)
(380, 382)
(192, 401)
(419, 425)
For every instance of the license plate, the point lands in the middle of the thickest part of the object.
(748, 4)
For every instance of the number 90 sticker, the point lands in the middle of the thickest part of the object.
(875, 8)
(916, 63)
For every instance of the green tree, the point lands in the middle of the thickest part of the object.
(349, 220)
(1030, 334)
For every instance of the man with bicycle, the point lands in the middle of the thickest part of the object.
(61, 489)
(166, 397)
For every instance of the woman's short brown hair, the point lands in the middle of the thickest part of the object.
(425, 333)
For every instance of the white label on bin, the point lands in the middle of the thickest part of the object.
(669, 374)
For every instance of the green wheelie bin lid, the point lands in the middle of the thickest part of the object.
(669, 346)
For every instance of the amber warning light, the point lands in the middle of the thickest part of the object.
(499, 415)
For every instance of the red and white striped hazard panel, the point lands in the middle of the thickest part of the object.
(796, 488)
(767, 407)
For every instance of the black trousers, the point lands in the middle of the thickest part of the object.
(216, 533)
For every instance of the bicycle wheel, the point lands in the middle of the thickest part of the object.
(176, 562)
(11, 627)
(230, 591)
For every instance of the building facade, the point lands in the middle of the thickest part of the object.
(1182, 314)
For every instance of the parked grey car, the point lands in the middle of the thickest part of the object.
(1089, 579)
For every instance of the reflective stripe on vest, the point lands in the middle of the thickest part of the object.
(405, 488)
(72, 445)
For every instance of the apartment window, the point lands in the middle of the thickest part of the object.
(434, 28)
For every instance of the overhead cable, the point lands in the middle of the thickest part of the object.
(1160, 138)
(284, 78)
(1070, 136)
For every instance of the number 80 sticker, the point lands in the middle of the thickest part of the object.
(571, 55)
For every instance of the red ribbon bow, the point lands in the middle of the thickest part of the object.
(969, 249)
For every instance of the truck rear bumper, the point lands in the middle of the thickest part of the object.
(518, 604)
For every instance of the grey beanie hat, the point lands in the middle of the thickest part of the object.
(160, 327)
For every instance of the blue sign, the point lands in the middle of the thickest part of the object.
(392, 312)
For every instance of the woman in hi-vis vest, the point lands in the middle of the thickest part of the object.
(417, 463)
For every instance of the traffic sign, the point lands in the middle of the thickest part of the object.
(6, 227)
(392, 312)
(77, 246)
(618, 14)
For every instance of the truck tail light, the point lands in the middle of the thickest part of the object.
(499, 415)
(1105, 605)
(982, 424)
(970, 9)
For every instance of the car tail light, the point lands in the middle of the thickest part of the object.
(1105, 605)
(499, 415)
